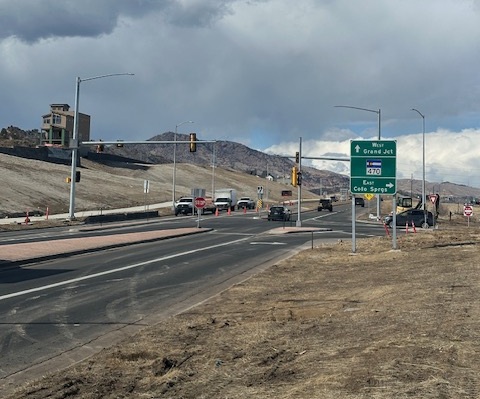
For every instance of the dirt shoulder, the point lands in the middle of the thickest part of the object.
(324, 323)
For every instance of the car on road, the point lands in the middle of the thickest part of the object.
(359, 201)
(325, 203)
(245, 202)
(184, 206)
(412, 217)
(279, 212)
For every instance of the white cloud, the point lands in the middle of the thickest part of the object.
(449, 156)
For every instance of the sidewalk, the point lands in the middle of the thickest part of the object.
(82, 214)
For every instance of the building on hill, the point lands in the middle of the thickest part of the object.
(57, 127)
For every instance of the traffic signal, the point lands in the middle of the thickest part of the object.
(193, 142)
(297, 157)
(68, 180)
(299, 178)
(294, 176)
(77, 176)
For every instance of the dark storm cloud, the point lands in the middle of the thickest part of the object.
(33, 20)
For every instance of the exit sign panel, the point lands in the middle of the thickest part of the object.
(373, 167)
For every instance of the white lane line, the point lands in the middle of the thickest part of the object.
(75, 280)
(267, 243)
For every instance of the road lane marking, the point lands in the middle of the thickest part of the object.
(120, 269)
(267, 243)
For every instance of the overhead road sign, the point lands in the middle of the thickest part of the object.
(373, 165)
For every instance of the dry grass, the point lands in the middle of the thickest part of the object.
(29, 185)
(322, 324)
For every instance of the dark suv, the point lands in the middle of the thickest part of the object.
(415, 216)
(279, 212)
(359, 201)
(325, 203)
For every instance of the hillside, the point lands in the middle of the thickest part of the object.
(35, 185)
(228, 155)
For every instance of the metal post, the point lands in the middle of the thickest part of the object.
(394, 213)
(74, 145)
(423, 164)
(75, 142)
(175, 162)
(299, 186)
(354, 217)
(379, 138)
(213, 171)
(379, 113)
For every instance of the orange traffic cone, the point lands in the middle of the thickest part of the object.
(216, 211)
(229, 212)
(244, 209)
(406, 228)
(413, 225)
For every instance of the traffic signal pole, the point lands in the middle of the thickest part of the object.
(299, 187)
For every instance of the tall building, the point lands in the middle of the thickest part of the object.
(57, 127)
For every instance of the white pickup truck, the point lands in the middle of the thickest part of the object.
(184, 206)
(245, 202)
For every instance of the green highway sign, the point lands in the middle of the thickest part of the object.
(373, 167)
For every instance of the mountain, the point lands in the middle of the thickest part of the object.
(231, 156)
(240, 158)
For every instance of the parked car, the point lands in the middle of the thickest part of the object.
(279, 212)
(359, 201)
(325, 203)
(412, 215)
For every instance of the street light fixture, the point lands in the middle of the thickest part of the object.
(379, 113)
(175, 160)
(423, 163)
(74, 144)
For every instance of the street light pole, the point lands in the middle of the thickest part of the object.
(379, 113)
(213, 170)
(423, 163)
(175, 161)
(75, 144)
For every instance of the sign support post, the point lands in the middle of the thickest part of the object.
(373, 170)
(199, 204)
(468, 211)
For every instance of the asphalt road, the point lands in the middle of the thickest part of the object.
(57, 312)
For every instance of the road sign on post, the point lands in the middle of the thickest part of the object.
(373, 167)
(467, 210)
(199, 202)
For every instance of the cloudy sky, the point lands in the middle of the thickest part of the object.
(260, 72)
